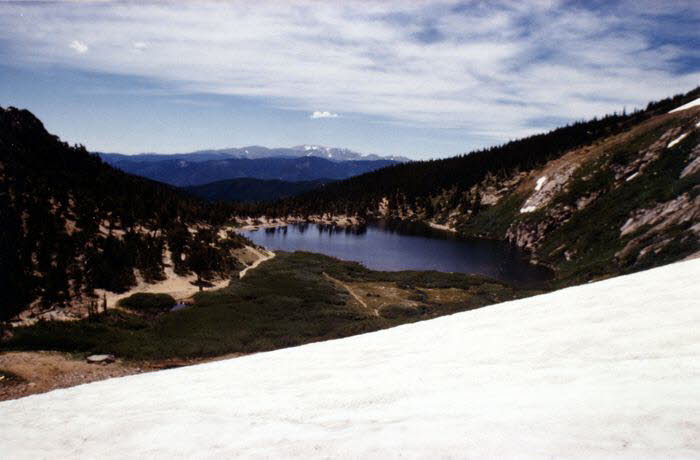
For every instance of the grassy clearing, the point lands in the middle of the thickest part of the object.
(287, 301)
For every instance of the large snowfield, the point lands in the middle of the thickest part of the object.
(609, 369)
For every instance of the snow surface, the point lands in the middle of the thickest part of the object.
(608, 369)
(689, 105)
(528, 209)
(676, 140)
(540, 183)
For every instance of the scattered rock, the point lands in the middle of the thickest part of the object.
(100, 359)
(694, 165)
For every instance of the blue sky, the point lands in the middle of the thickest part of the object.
(423, 79)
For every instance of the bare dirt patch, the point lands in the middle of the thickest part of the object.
(41, 371)
(447, 295)
(356, 297)
(24, 373)
(378, 295)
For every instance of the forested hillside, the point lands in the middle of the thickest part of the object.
(588, 176)
(247, 189)
(71, 224)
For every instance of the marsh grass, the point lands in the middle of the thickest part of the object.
(284, 302)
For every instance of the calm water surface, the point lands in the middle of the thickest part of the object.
(394, 246)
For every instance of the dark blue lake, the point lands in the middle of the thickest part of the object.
(394, 246)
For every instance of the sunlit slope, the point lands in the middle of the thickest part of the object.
(609, 369)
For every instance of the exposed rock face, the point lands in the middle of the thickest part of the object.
(492, 189)
(529, 234)
(677, 211)
(548, 186)
(656, 221)
(694, 165)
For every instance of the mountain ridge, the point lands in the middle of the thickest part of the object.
(180, 172)
(252, 152)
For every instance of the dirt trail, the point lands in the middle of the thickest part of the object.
(352, 293)
(264, 256)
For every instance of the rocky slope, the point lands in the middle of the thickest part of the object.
(627, 202)
(630, 201)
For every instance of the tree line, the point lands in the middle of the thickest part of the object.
(72, 224)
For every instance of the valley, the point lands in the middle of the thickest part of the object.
(349, 230)
(289, 300)
(406, 243)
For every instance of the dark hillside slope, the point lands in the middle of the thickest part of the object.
(71, 224)
(246, 189)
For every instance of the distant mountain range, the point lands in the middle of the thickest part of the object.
(301, 163)
(187, 172)
(251, 190)
(254, 152)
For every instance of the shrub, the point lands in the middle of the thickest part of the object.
(146, 302)
(398, 311)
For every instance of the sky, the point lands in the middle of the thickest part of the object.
(423, 79)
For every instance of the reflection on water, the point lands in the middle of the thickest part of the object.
(396, 245)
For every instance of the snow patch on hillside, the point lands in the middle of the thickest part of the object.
(540, 183)
(608, 369)
(689, 105)
(676, 140)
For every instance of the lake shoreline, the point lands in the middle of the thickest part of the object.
(401, 245)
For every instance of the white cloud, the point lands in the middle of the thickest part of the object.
(494, 69)
(319, 114)
(79, 47)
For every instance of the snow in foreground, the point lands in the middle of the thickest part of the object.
(610, 369)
